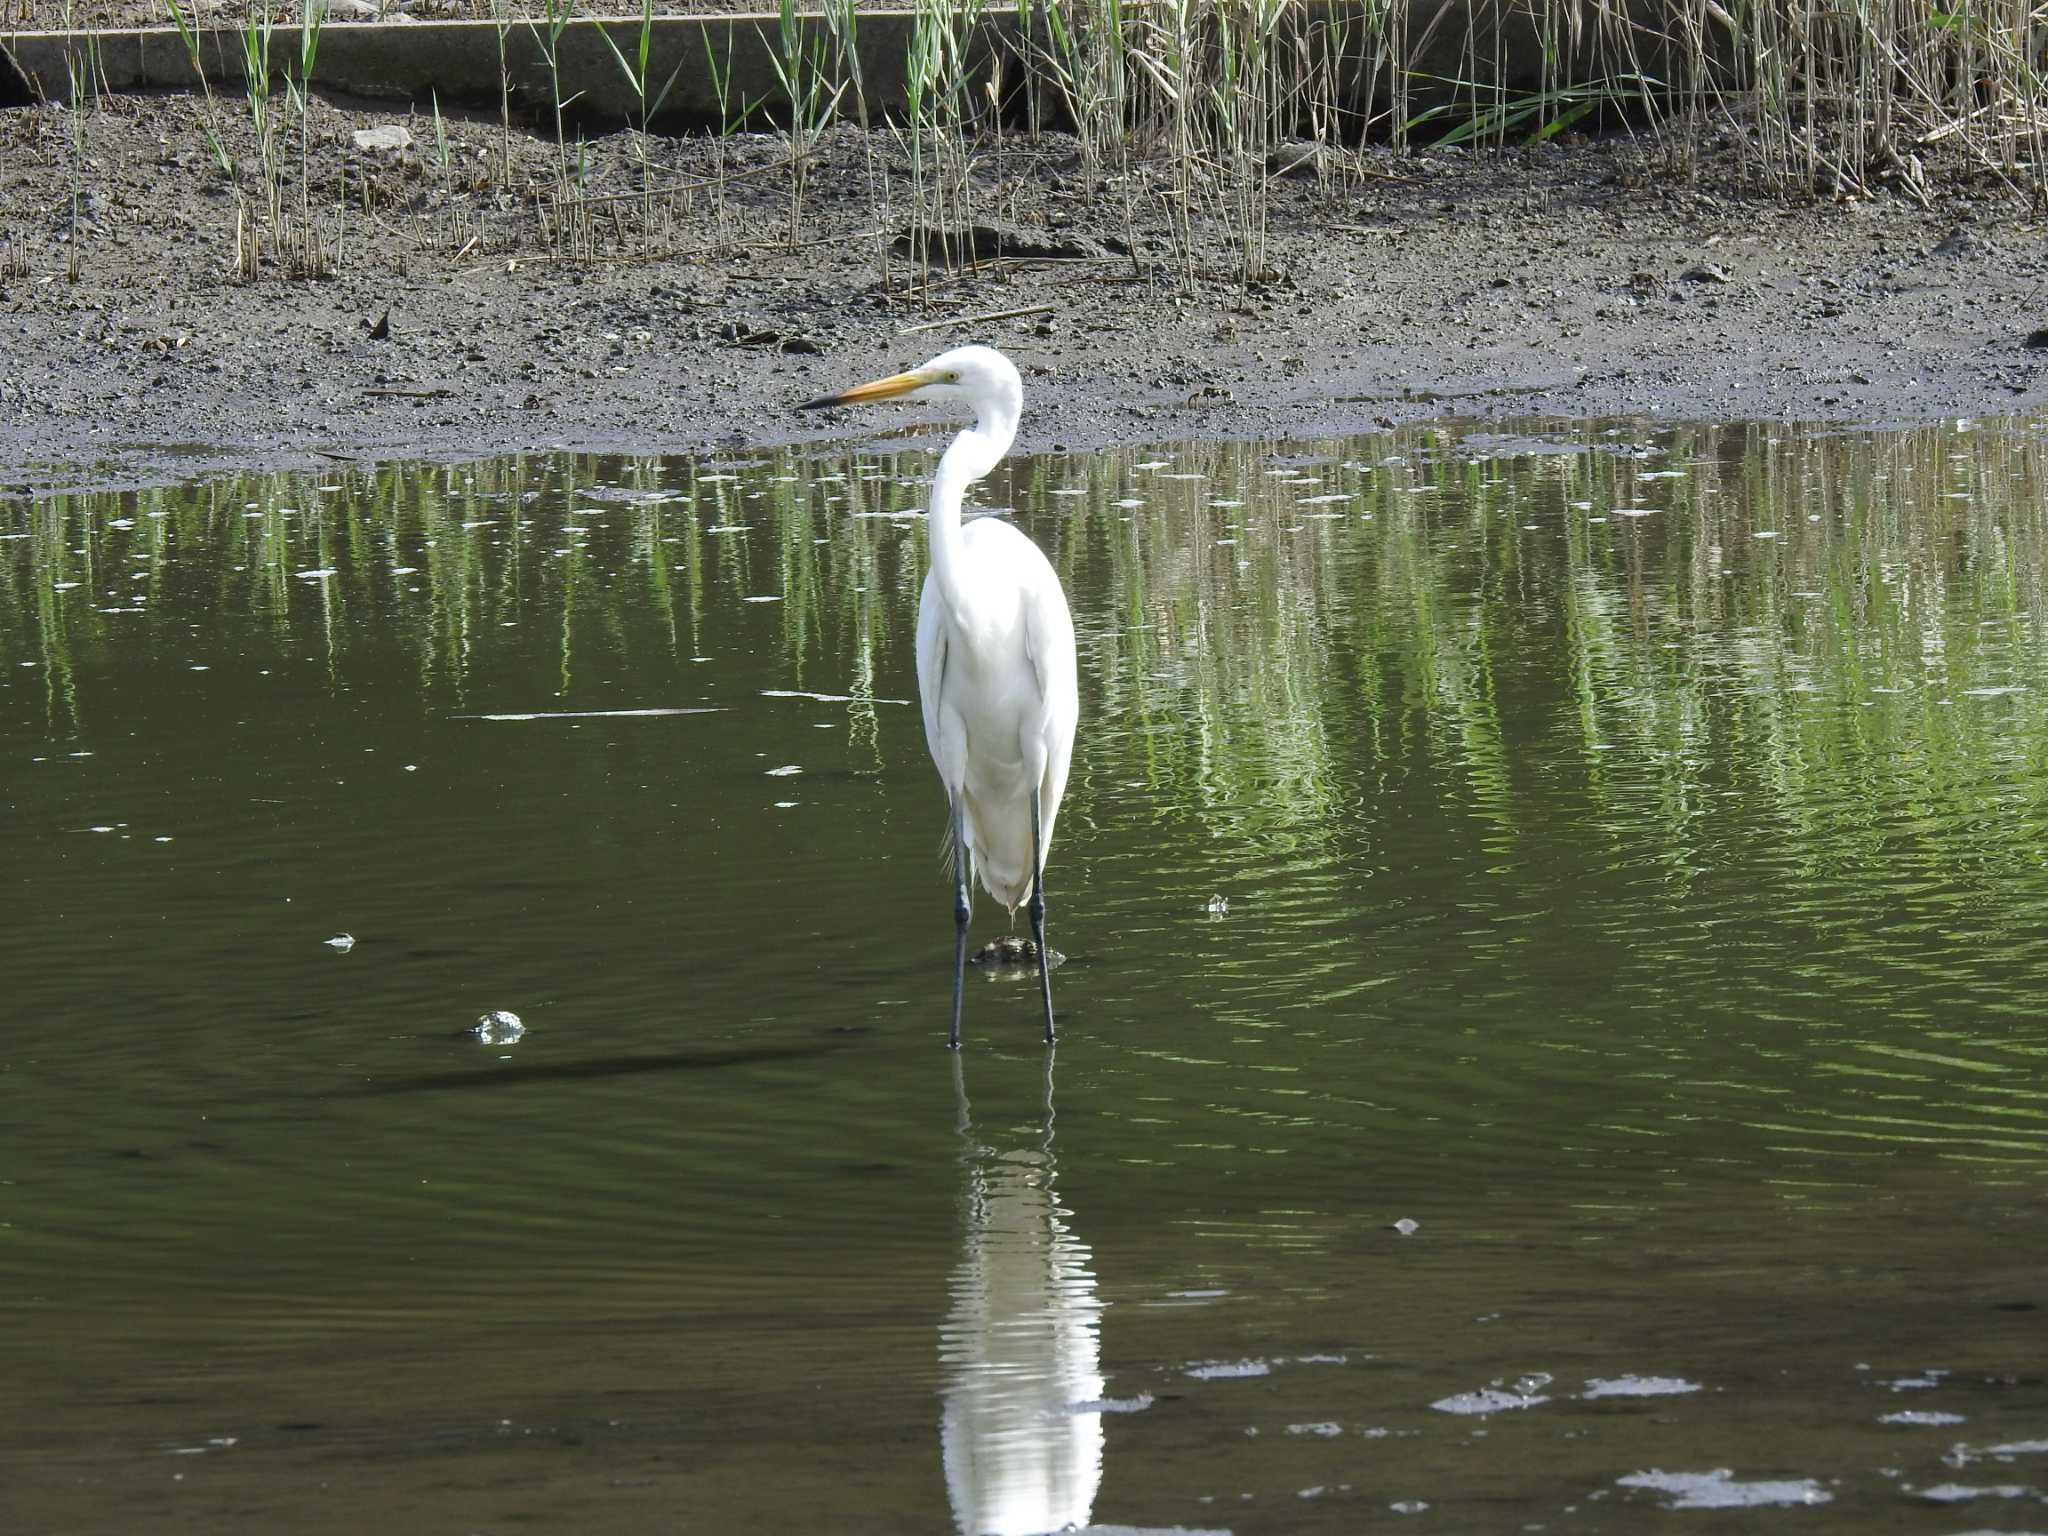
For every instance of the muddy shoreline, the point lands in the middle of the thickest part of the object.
(1567, 282)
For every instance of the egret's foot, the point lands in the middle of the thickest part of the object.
(1010, 950)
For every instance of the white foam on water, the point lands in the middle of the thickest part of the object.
(1718, 1489)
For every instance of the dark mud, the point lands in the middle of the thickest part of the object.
(1575, 280)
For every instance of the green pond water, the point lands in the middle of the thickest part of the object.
(1553, 1026)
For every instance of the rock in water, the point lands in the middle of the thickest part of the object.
(498, 1027)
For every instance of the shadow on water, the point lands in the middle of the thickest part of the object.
(497, 1076)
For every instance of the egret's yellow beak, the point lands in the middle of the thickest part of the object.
(875, 389)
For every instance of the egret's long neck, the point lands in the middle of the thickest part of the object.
(972, 455)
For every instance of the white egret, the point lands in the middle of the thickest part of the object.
(995, 658)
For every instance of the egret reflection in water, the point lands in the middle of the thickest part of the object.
(1021, 1346)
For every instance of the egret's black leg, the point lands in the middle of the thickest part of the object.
(1038, 918)
(960, 915)
(963, 1122)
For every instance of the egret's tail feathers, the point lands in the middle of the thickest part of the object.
(946, 856)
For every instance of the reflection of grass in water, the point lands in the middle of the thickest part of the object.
(51, 569)
(1825, 665)
(1450, 619)
(1664, 653)
(1208, 657)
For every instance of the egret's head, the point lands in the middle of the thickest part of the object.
(978, 377)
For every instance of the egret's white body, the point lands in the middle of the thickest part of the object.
(995, 653)
(995, 672)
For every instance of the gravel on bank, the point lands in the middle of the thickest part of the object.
(1565, 281)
